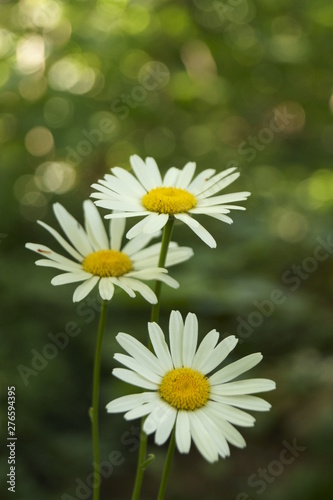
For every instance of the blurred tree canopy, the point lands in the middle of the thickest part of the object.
(247, 83)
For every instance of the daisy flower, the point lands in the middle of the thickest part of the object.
(98, 259)
(180, 392)
(177, 195)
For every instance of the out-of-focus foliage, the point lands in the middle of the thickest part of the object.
(245, 83)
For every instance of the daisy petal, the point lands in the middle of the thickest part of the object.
(106, 288)
(165, 424)
(186, 175)
(250, 386)
(183, 433)
(138, 367)
(139, 352)
(205, 350)
(94, 226)
(176, 329)
(145, 173)
(128, 402)
(117, 229)
(133, 378)
(73, 230)
(74, 253)
(219, 353)
(202, 439)
(190, 339)
(85, 288)
(65, 278)
(198, 229)
(160, 346)
(235, 369)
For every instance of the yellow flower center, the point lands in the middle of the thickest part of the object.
(169, 200)
(185, 389)
(106, 263)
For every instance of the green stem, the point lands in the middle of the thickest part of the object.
(167, 466)
(166, 238)
(95, 399)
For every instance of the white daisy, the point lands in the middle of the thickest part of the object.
(98, 259)
(203, 408)
(177, 195)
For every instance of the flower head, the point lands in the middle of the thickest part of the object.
(181, 392)
(98, 259)
(177, 195)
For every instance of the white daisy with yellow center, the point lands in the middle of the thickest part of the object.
(178, 194)
(99, 259)
(181, 392)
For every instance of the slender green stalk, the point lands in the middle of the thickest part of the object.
(166, 238)
(95, 399)
(167, 466)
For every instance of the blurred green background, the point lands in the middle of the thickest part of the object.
(248, 83)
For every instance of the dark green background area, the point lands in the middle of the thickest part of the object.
(225, 83)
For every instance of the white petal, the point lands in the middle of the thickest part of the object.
(117, 229)
(140, 352)
(138, 367)
(220, 353)
(230, 432)
(44, 251)
(190, 339)
(222, 218)
(94, 226)
(235, 369)
(165, 425)
(160, 346)
(140, 287)
(176, 328)
(128, 402)
(119, 282)
(199, 230)
(73, 230)
(224, 198)
(215, 432)
(153, 420)
(85, 288)
(246, 402)
(71, 268)
(250, 386)
(138, 228)
(145, 173)
(218, 182)
(202, 439)
(133, 248)
(106, 288)
(183, 433)
(205, 350)
(234, 415)
(133, 378)
(130, 180)
(74, 253)
(171, 177)
(186, 175)
(154, 172)
(199, 182)
(65, 278)
(155, 223)
(141, 411)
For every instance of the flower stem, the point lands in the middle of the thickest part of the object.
(167, 466)
(155, 312)
(166, 238)
(95, 399)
